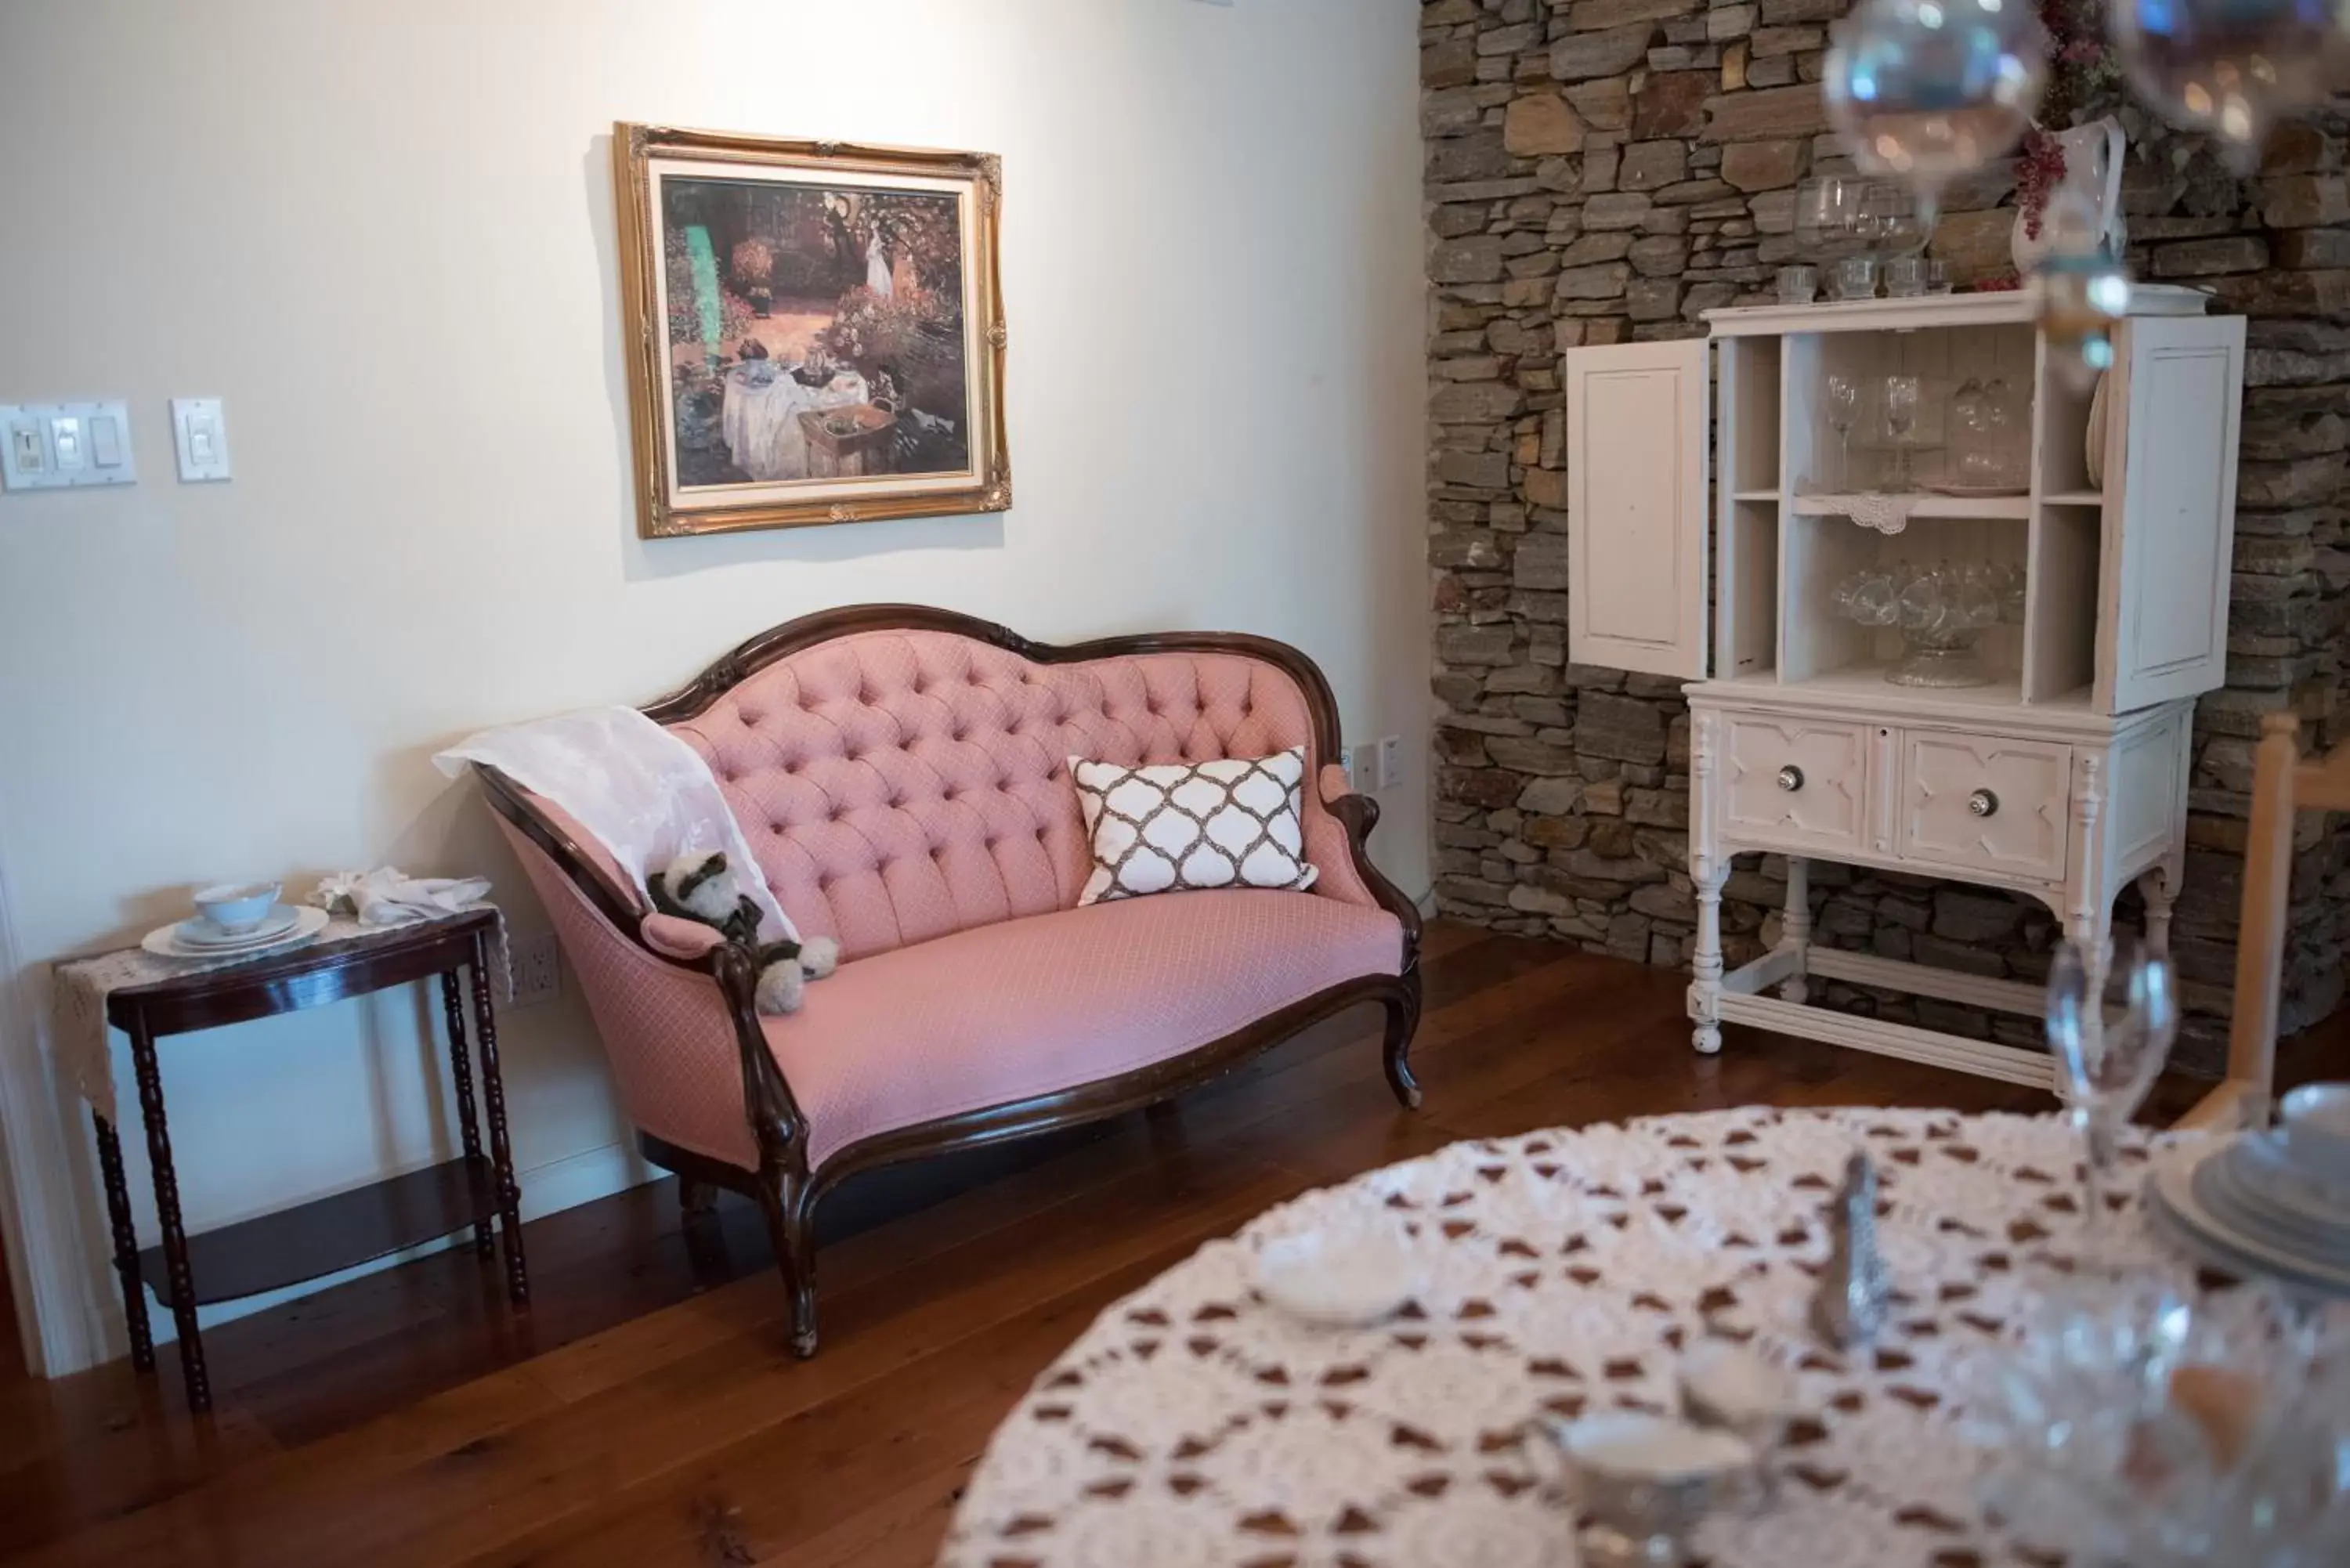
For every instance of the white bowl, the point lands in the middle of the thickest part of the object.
(238, 907)
(2317, 1130)
(1340, 1279)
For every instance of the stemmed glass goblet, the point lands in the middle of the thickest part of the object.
(1902, 396)
(2105, 1066)
(1844, 412)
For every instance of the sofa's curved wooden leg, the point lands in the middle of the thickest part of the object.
(696, 1196)
(790, 1212)
(1403, 1023)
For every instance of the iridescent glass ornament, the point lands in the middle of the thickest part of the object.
(2083, 291)
(1930, 89)
(2228, 66)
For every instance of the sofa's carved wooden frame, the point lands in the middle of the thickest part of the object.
(786, 1189)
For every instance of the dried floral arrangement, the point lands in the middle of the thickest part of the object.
(2085, 81)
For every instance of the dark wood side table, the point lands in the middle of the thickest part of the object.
(274, 1250)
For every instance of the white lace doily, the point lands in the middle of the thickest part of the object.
(83, 984)
(1193, 1425)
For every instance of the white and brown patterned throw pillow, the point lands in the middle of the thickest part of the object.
(1186, 826)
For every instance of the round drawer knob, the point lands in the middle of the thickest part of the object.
(1790, 777)
(1983, 803)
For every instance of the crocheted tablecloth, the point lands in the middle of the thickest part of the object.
(1194, 1425)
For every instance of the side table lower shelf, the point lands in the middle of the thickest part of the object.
(272, 1252)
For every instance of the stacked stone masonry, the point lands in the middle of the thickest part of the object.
(1603, 171)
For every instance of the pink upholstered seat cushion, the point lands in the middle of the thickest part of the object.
(1006, 1010)
(900, 786)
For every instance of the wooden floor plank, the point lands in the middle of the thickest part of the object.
(647, 1411)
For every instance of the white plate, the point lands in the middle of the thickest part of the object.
(165, 943)
(2096, 453)
(202, 933)
(1338, 1279)
(1964, 490)
(2246, 1214)
(2264, 1169)
(2172, 1204)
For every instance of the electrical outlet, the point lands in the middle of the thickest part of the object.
(1363, 768)
(537, 969)
(1391, 761)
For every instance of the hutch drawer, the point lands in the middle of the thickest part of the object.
(1798, 783)
(1983, 802)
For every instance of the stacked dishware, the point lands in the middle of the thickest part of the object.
(2272, 1205)
(236, 920)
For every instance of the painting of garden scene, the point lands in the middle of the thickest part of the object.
(814, 332)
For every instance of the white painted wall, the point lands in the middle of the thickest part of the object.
(383, 233)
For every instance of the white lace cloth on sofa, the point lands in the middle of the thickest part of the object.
(644, 794)
(1192, 1424)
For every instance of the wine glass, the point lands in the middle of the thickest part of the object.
(1844, 412)
(2105, 1066)
(1902, 396)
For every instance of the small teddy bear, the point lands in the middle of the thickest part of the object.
(698, 885)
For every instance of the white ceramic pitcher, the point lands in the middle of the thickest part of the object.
(2093, 182)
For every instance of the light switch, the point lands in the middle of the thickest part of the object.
(62, 446)
(64, 442)
(105, 440)
(200, 432)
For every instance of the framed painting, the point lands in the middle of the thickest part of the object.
(814, 330)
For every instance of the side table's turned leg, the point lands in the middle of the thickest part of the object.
(1705, 961)
(2159, 887)
(461, 1069)
(1795, 926)
(126, 1245)
(494, 1099)
(167, 1213)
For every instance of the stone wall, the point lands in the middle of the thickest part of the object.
(1599, 171)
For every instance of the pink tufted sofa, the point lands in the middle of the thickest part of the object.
(901, 775)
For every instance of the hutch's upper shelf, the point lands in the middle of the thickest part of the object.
(2009, 532)
(2021, 305)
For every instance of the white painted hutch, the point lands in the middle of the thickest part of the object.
(2064, 778)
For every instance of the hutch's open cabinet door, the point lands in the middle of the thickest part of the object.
(1636, 506)
(2168, 544)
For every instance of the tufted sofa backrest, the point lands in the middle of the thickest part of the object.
(901, 785)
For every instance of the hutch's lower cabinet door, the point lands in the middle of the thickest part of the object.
(1799, 782)
(1984, 804)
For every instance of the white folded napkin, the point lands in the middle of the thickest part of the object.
(387, 896)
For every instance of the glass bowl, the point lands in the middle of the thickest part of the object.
(1941, 610)
(2130, 1423)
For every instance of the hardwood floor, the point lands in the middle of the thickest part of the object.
(646, 1410)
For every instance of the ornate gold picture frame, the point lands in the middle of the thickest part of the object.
(814, 330)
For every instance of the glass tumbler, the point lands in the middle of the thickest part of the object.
(1856, 279)
(1798, 285)
(1905, 277)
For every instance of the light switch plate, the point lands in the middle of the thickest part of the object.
(1362, 767)
(1391, 761)
(200, 437)
(64, 446)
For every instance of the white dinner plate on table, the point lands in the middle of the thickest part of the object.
(203, 933)
(2246, 1213)
(171, 942)
(2259, 1164)
(2174, 1210)
(1342, 1278)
